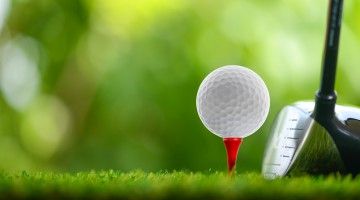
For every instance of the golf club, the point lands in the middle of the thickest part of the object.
(317, 137)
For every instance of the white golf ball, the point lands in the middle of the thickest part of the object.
(233, 101)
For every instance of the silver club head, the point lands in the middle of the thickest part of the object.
(298, 144)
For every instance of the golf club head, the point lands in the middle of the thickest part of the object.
(299, 144)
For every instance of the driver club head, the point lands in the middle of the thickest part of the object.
(299, 144)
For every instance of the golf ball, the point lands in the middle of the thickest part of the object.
(233, 101)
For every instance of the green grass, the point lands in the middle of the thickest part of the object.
(173, 185)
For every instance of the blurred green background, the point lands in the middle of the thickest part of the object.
(91, 84)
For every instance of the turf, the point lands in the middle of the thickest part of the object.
(173, 185)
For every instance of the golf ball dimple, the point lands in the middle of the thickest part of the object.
(233, 101)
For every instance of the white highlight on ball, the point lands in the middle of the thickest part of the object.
(233, 101)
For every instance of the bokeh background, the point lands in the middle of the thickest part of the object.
(92, 84)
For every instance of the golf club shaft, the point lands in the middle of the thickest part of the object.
(331, 48)
(326, 97)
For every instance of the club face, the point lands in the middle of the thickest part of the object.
(287, 132)
(299, 144)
